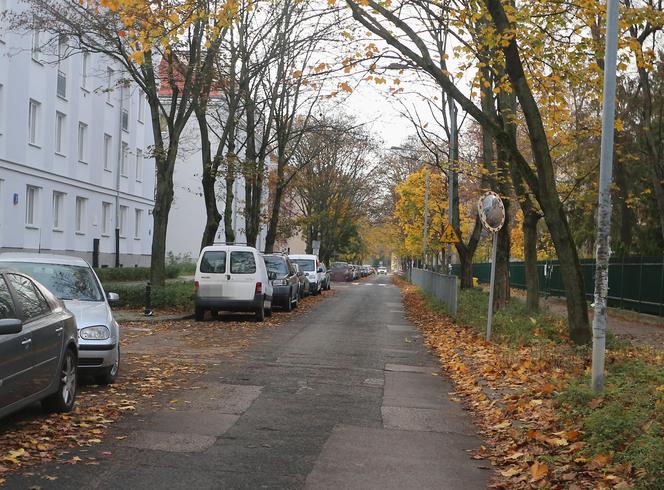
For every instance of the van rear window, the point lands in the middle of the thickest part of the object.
(213, 262)
(243, 263)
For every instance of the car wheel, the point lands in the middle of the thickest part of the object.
(111, 375)
(260, 313)
(199, 313)
(214, 314)
(296, 303)
(289, 303)
(63, 400)
(268, 312)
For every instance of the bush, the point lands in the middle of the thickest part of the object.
(130, 274)
(173, 295)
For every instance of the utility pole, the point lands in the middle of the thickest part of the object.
(604, 208)
(452, 176)
(426, 217)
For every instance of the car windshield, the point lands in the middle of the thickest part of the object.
(67, 282)
(277, 265)
(339, 265)
(306, 265)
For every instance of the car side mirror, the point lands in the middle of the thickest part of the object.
(10, 326)
(113, 297)
(320, 270)
(271, 275)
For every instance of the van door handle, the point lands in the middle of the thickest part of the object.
(228, 277)
(59, 330)
(26, 342)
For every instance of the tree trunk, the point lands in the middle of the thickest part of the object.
(162, 207)
(230, 197)
(208, 180)
(271, 237)
(554, 214)
(501, 292)
(529, 227)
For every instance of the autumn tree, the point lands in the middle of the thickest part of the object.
(395, 25)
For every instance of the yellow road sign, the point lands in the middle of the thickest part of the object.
(450, 235)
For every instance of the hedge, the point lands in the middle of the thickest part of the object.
(172, 295)
(126, 274)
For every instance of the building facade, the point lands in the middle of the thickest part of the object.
(76, 174)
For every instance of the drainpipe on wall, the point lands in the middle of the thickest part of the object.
(117, 180)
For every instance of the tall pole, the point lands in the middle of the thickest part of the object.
(452, 175)
(489, 320)
(426, 217)
(604, 208)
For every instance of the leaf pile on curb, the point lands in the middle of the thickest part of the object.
(512, 393)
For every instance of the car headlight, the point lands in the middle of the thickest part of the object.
(99, 332)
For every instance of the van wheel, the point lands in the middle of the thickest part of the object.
(260, 313)
(199, 314)
(63, 400)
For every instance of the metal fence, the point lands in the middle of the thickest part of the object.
(635, 283)
(443, 287)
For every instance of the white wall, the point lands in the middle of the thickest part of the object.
(23, 163)
(187, 219)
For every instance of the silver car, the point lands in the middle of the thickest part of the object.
(38, 346)
(72, 280)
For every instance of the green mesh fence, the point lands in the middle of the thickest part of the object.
(635, 283)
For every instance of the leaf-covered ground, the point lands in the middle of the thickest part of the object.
(158, 358)
(542, 426)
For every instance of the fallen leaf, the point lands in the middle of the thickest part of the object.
(538, 471)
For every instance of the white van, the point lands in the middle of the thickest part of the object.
(311, 266)
(232, 278)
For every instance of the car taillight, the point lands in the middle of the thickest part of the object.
(259, 288)
(196, 285)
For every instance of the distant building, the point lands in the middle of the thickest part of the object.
(74, 153)
(186, 221)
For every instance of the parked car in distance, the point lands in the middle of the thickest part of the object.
(286, 286)
(232, 278)
(341, 272)
(304, 282)
(326, 283)
(310, 265)
(382, 271)
(73, 281)
(38, 346)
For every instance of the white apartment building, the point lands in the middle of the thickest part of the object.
(74, 154)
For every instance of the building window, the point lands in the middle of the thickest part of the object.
(138, 224)
(85, 68)
(109, 83)
(32, 205)
(36, 46)
(126, 100)
(62, 67)
(123, 221)
(80, 214)
(139, 165)
(141, 107)
(60, 132)
(123, 159)
(106, 218)
(58, 209)
(108, 142)
(82, 142)
(33, 122)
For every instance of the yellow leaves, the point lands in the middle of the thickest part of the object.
(345, 87)
(297, 74)
(331, 3)
(138, 57)
(538, 471)
(13, 456)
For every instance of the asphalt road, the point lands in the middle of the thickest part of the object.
(341, 397)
